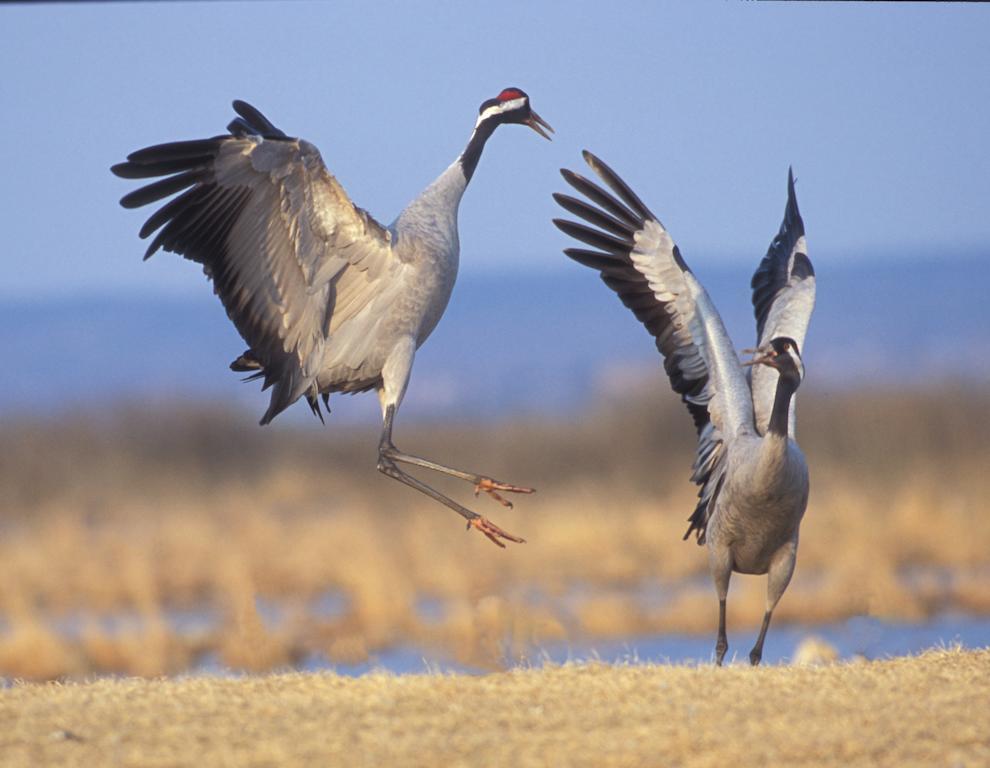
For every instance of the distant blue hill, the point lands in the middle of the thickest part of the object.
(508, 343)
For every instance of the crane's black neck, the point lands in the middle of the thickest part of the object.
(779, 417)
(472, 153)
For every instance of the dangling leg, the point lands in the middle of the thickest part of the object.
(395, 376)
(720, 565)
(480, 482)
(778, 577)
(386, 465)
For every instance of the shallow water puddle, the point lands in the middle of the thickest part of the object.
(861, 636)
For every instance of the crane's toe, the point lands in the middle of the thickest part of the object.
(492, 531)
(492, 488)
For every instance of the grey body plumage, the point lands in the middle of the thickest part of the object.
(327, 299)
(753, 476)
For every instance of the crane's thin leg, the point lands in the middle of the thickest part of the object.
(480, 482)
(756, 654)
(778, 577)
(722, 643)
(386, 465)
(720, 565)
(395, 377)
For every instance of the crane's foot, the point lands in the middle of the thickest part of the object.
(492, 531)
(492, 488)
(755, 656)
(720, 648)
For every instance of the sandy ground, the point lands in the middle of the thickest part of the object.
(929, 710)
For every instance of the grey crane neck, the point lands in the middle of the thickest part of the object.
(779, 416)
(472, 152)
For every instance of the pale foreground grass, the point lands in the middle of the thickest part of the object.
(110, 527)
(929, 710)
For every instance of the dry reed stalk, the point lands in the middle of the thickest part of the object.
(198, 512)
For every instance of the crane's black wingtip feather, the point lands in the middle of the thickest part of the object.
(576, 180)
(239, 127)
(593, 237)
(594, 162)
(599, 166)
(193, 151)
(601, 262)
(596, 216)
(163, 188)
(132, 199)
(314, 406)
(793, 213)
(248, 112)
(617, 185)
(255, 121)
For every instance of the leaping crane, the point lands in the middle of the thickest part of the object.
(326, 298)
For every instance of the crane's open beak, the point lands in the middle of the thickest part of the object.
(537, 123)
(764, 356)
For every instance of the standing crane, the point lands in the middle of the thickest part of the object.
(326, 298)
(753, 476)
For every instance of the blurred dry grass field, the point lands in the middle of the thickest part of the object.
(928, 710)
(115, 527)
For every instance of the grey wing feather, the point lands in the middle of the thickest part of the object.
(783, 300)
(275, 232)
(640, 262)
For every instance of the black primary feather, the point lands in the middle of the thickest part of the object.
(594, 216)
(598, 195)
(617, 219)
(593, 237)
(164, 188)
(253, 118)
(611, 178)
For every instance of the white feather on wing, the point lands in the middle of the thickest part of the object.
(783, 300)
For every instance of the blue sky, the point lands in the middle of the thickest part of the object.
(882, 109)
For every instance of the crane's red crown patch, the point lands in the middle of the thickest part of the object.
(510, 93)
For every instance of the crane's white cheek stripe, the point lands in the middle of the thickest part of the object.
(505, 106)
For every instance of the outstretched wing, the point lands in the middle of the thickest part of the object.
(276, 233)
(640, 262)
(783, 300)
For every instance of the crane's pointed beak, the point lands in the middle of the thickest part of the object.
(537, 123)
(760, 357)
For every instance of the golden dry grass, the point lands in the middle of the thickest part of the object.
(918, 711)
(110, 525)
